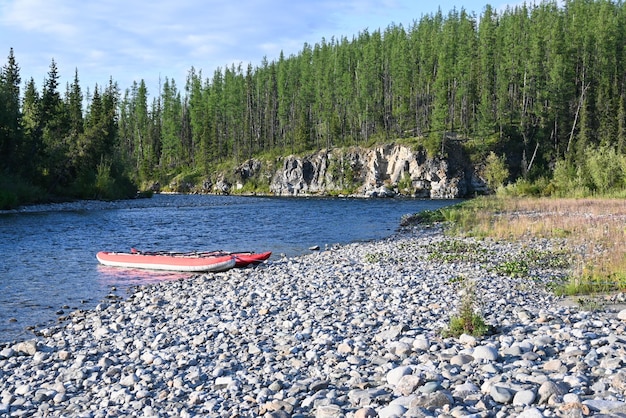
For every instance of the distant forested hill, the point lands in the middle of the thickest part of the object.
(542, 86)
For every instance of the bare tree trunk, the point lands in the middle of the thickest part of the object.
(580, 104)
(530, 164)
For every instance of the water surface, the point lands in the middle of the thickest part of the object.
(47, 253)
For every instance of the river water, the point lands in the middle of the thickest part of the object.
(47, 253)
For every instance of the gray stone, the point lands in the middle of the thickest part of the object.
(531, 413)
(421, 344)
(389, 334)
(324, 335)
(468, 340)
(500, 394)
(484, 352)
(461, 359)
(605, 405)
(277, 414)
(465, 389)
(618, 382)
(408, 384)
(430, 387)
(547, 390)
(432, 401)
(432, 176)
(394, 375)
(26, 347)
(390, 411)
(524, 397)
(329, 411)
(366, 413)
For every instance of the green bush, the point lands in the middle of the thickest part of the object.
(467, 321)
(495, 171)
(605, 169)
(105, 184)
(14, 191)
(527, 188)
(603, 173)
(8, 200)
(405, 184)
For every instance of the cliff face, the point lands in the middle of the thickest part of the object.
(383, 171)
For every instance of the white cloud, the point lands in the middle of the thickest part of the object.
(47, 16)
(130, 40)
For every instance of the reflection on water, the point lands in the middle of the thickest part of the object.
(120, 277)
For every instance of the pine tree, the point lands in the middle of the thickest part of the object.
(486, 117)
(171, 152)
(74, 104)
(55, 128)
(30, 153)
(10, 115)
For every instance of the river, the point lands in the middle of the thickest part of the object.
(47, 253)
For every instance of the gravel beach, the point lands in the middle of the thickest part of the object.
(351, 331)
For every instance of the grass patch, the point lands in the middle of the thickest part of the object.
(455, 250)
(516, 268)
(376, 257)
(592, 232)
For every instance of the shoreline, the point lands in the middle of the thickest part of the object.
(353, 331)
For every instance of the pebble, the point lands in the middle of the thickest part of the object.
(485, 353)
(524, 397)
(351, 331)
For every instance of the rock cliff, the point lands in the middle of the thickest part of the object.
(383, 171)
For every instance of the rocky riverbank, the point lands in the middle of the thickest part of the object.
(354, 331)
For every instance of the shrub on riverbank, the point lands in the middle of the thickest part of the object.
(468, 320)
(14, 192)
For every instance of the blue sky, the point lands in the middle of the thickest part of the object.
(139, 39)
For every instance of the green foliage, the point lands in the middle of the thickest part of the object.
(606, 169)
(479, 147)
(558, 259)
(539, 83)
(343, 175)
(515, 268)
(456, 279)
(456, 250)
(15, 191)
(405, 184)
(520, 265)
(426, 217)
(592, 283)
(255, 185)
(526, 188)
(455, 215)
(376, 257)
(433, 145)
(495, 171)
(602, 172)
(104, 182)
(467, 321)
(8, 200)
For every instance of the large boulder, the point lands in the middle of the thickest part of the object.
(376, 172)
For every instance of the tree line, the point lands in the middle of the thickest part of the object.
(543, 86)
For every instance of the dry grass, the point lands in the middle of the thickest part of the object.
(594, 232)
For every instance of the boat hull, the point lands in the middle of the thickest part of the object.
(186, 263)
(245, 259)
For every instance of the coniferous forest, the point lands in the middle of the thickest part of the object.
(543, 87)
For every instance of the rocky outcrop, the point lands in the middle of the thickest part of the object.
(377, 172)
